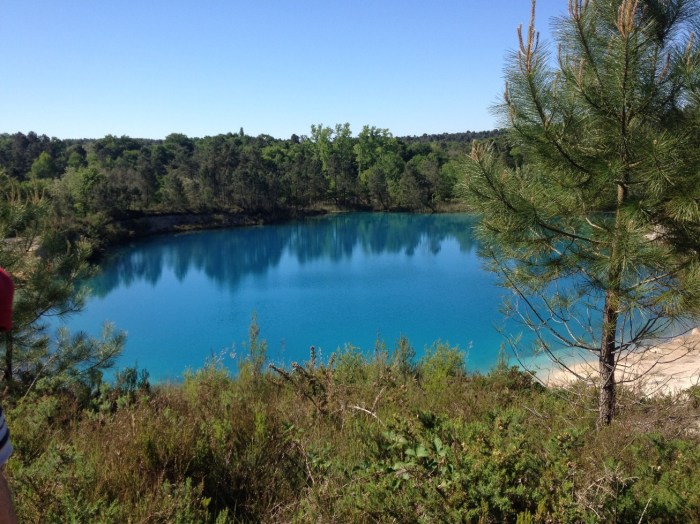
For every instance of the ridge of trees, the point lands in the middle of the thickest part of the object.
(236, 172)
(465, 137)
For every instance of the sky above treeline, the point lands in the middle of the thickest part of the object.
(85, 69)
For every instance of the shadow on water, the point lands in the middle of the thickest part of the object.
(228, 256)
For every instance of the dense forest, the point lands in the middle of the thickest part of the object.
(120, 176)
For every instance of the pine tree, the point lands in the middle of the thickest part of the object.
(46, 268)
(598, 230)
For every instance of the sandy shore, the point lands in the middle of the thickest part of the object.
(668, 367)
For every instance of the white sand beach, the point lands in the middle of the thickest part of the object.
(669, 367)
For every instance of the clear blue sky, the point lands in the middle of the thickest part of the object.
(147, 68)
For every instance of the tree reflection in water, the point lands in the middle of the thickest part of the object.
(227, 256)
(327, 281)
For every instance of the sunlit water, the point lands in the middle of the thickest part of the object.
(324, 282)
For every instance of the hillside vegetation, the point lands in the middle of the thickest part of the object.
(378, 438)
(361, 439)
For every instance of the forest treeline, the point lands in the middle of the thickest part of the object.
(236, 172)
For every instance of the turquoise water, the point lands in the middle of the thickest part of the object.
(323, 282)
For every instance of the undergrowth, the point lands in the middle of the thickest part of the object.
(378, 438)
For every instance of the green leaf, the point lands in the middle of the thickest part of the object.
(421, 452)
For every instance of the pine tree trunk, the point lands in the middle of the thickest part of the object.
(606, 361)
(608, 346)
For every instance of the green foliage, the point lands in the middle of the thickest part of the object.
(351, 442)
(349, 365)
(127, 384)
(252, 364)
(43, 167)
(487, 469)
(403, 358)
(440, 365)
(78, 188)
(121, 176)
(595, 228)
(46, 266)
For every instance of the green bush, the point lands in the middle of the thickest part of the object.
(357, 439)
(440, 364)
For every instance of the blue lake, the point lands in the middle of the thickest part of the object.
(323, 282)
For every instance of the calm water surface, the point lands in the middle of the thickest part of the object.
(326, 282)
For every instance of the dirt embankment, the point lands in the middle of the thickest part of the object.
(176, 222)
(158, 224)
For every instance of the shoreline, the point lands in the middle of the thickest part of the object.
(143, 225)
(127, 230)
(668, 367)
